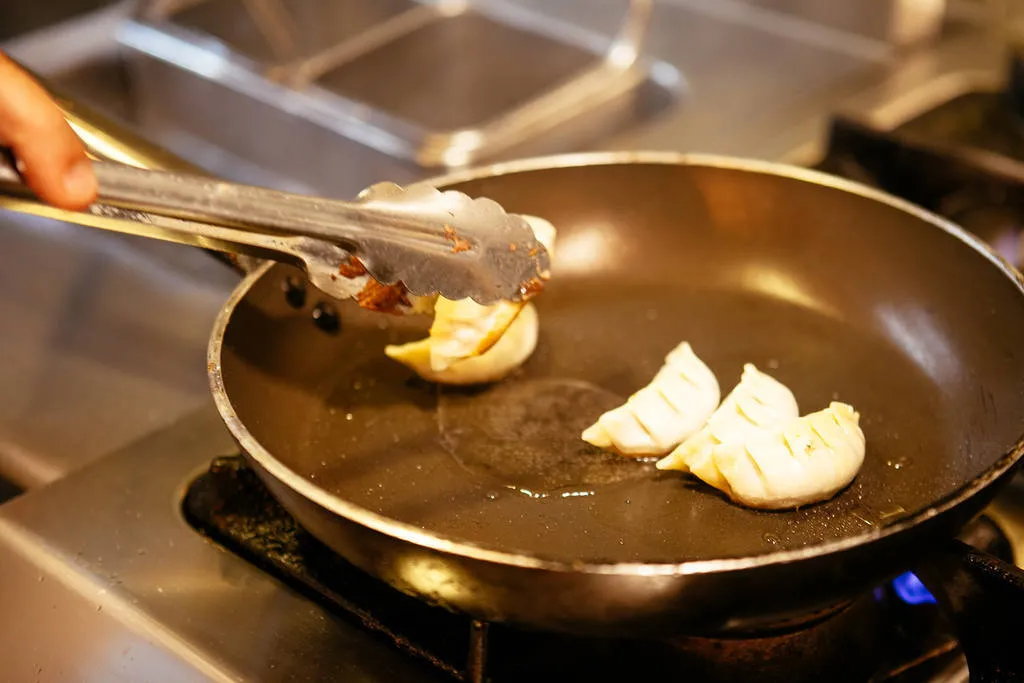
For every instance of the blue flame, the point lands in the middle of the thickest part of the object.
(911, 591)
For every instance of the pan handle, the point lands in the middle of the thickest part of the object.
(109, 140)
(984, 598)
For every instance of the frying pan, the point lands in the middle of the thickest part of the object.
(485, 501)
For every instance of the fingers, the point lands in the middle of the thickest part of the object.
(53, 159)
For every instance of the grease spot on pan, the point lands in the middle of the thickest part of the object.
(526, 435)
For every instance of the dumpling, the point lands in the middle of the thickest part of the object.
(806, 460)
(464, 345)
(508, 353)
(660, 416)
(758, 402)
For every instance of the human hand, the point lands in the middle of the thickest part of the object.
(52, 158)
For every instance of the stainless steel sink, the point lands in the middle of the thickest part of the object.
(392, 87)
(274, 34)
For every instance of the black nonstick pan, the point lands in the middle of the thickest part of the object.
(485, 500)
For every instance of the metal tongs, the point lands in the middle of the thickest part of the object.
(422, 239)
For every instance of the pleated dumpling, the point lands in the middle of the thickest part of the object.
(806, 460)
(758, 402)
(656, 419)
(470, 343)
(511, 350)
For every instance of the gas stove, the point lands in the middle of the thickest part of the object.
(895, 633)
(166, 560)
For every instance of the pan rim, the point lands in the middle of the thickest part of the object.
(472, 551)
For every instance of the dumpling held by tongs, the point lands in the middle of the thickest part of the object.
(470, 343)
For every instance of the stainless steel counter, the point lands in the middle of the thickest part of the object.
(104, 342)
(151, 600)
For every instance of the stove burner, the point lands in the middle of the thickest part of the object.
(979, 190)
(843, 641)
(878, 638)
(911, 591)
(963, 160)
